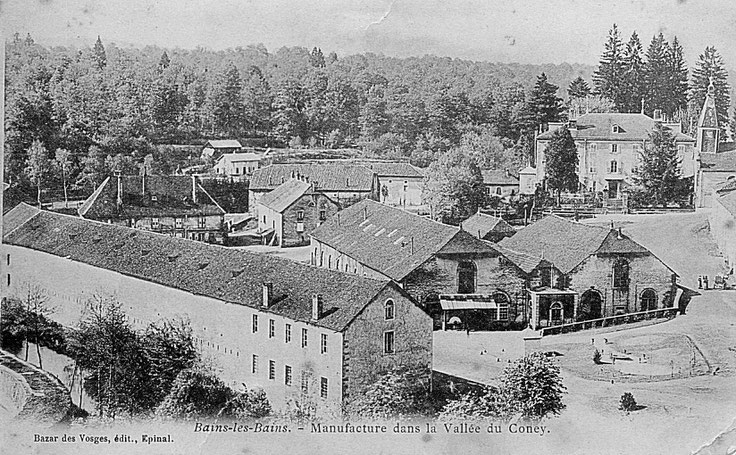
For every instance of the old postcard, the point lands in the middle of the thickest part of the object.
(395, 226)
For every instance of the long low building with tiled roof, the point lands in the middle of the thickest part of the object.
(268, 322)
(439, 265)
(345, 184)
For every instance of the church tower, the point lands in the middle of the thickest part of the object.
(708, 131)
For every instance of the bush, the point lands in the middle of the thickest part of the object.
(597, 357)
(393, 395)
(628, 403)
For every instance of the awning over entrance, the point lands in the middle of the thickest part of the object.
(551, 291)
(467, 302)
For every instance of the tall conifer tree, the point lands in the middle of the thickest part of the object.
(608, 78)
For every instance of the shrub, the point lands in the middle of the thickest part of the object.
(628, 403)
(597, 357)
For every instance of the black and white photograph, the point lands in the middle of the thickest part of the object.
(368, 227)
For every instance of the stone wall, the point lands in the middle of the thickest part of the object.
(310, 206)
(645, 272)
(365, 359)
(723, 228)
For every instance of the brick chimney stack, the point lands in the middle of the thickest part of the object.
(317, 306)
(267, 294)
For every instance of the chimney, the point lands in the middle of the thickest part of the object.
(508, 173)
(293, 174)
(317, 306)
(267, 291)
(658, 115)
(194, 189)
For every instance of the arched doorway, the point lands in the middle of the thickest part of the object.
(466, 277)
(648, 300)
(590, 305)
(555, 313)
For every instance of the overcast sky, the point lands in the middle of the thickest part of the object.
(525, 31)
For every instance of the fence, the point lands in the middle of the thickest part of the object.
(611, 321)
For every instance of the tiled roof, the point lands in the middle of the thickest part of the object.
(229, 275)
(223, 144)
(386, 169)
(392, 241)
(173, 195)
(285, 195)
(566, 243)
(728, 201)
(718, 162)
(499, 177)
(600, 126)
(525, 262)
(481, 224)
(618, 243)
(563, 243)
(329, 177)
(708, 116)
(239, 157)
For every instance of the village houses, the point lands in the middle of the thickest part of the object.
(288, 214)
(301, 333)
(176, 205)
(214, 148)
(345, 184)
(237, 165)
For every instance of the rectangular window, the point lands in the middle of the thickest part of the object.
(323, 344)
(155, 223)
(323, 387)
(300, 215)
(271, 328)
(304, 338)
(255, 323)
(254, 364)
(614, 148)
(388, 342)
(202, 222)
(271, 369)
(287, 375)
(322, 215)
(614, 167)
(8, 280)
(179, 223)
(305, 381)
(287, 333)
(591, 162)
(8, 259)
(503, 312)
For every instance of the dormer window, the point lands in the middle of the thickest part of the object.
(616, 129)
(154, 198)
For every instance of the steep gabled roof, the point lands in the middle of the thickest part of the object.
(329, 177)
(239, 157)
(173, 197)
(223, 144)
(499, 177)
(599, 126)
(481, 224)
(392, 241)
(387, 169)
(728, 201)
(229, 275)
(523, 261)
(563, 243)
(285, 195)
(708, 115)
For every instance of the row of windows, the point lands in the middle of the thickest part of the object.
(287, 333)
(300, 215)
(289, 376)
(178, 223)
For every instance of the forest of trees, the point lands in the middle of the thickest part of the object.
(106, 107)
(74, 115)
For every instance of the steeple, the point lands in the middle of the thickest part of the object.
(708, 131)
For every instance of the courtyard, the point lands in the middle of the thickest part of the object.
(680, 371)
